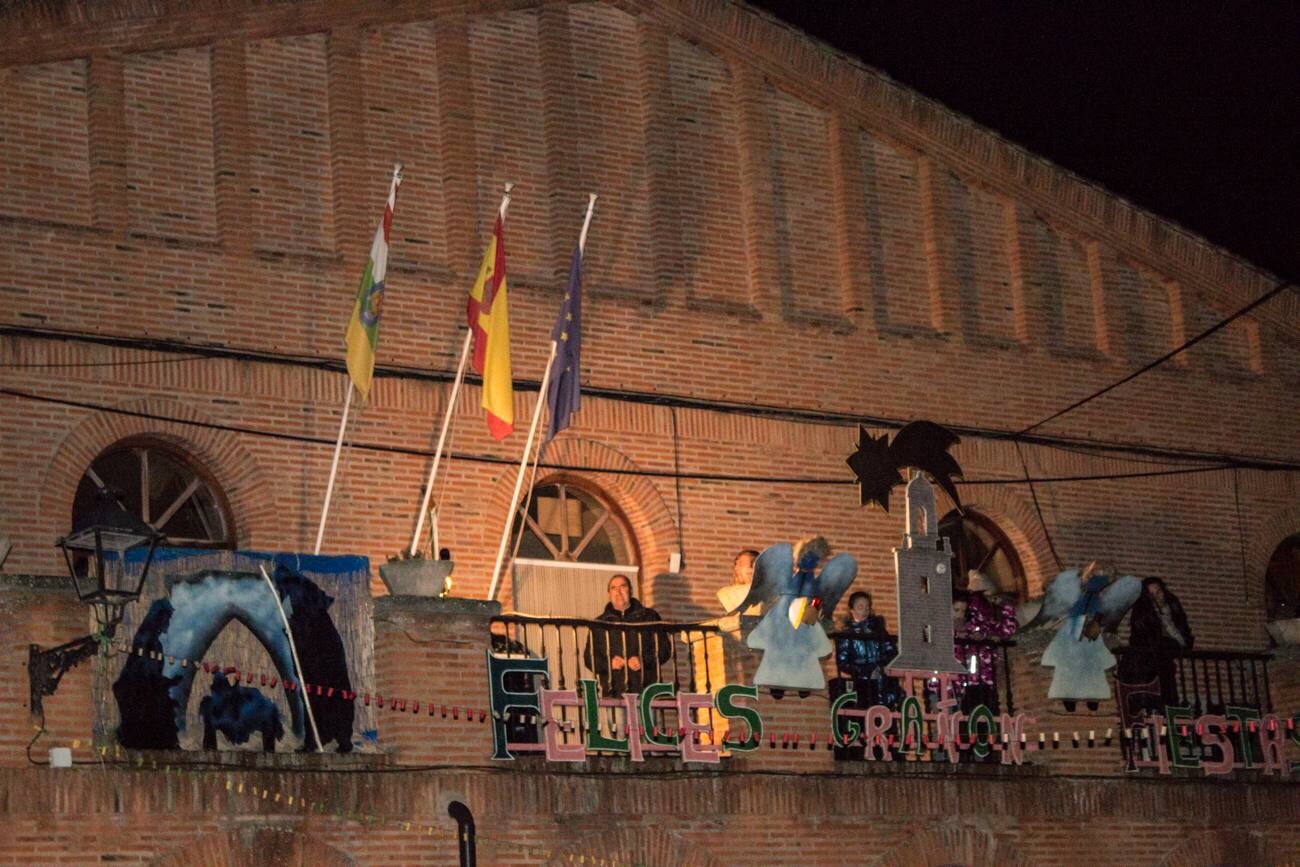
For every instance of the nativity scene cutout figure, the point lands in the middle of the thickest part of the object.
(153, 690)
(797, 585)
(1087, 603)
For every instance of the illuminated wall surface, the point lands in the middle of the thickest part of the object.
(786, 245)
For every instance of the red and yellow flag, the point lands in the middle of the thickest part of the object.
(489, 321)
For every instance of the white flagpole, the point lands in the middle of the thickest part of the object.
(451, 406)
(306, 701)
(347, 403)
(532, 430)
(334, 468)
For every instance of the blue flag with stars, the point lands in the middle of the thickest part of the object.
(563, 394)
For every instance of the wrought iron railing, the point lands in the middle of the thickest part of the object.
(1205, 681)
(1000, 698)
(622, 658)
(1209, 681)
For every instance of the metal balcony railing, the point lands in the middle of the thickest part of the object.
(1206, 681)
(1209, 681)
(623, 658)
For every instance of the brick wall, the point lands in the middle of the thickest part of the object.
(777, 226)
(788, 805)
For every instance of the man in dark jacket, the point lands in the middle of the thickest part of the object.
(626, 659)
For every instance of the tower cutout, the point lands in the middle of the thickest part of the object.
(923, 572)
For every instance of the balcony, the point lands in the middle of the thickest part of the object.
(621, 659)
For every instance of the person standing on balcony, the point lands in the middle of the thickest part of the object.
(626, 659)
(1158, 633)
(988, 617)
(731, 595)
(863, 649)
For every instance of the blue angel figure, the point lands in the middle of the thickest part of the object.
(1086, 601)
(797, 586)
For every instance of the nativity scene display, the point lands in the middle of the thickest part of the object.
(946, 635)
(213, 666)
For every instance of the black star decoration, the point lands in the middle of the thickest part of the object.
(922, 445)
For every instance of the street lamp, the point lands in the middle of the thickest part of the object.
(103, 552)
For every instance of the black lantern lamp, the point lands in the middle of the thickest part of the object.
(103, 553)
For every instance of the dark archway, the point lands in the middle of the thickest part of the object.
(1282, 580)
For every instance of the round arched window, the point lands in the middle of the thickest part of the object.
(569, 522)
(1282, 580)
(168, 489)
(978, 543)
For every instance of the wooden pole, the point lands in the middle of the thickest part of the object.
(306, 701)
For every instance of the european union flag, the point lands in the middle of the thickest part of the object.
(563, 394)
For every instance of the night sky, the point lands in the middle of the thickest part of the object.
(1190, 110)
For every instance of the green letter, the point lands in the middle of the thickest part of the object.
(648, 695)
(591, 705)
(726, 705)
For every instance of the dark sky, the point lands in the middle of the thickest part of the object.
(1190, 110)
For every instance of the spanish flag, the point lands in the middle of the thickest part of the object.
(363, 330)
(489, 321)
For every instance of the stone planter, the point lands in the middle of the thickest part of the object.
(1285, 631)
(415, 577)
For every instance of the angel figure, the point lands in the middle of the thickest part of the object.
(1086, 602)
(798, 584)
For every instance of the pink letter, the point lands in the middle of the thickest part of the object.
(556, 751)
(692, 751)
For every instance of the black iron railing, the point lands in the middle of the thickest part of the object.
(622, 658)
(1209, 681)
(1206, 681)
(998, 696)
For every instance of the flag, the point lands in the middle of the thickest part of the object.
(363, 329)
(563, 394)
(489, 322)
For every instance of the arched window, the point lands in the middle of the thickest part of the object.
(978, 543)
(573, 541)
(168, 489)
(573, 523)
(1282, 580)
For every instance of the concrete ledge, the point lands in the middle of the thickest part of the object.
(10, 582)
(426, 606)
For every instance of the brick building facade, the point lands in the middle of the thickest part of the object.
(786, 244)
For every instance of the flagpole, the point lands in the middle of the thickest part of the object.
(451, 406)
(532, 430)
(334, 467)
(293, 648)
(347, 404)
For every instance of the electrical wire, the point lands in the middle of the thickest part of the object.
(1213, 329)
(40, 365)
(766, 411)
(666, 474)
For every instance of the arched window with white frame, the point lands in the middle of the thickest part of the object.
(574, 539)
